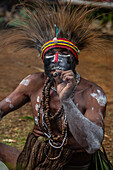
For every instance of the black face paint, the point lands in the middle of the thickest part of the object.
(65, 62)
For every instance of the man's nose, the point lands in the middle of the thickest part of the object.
(56, 58)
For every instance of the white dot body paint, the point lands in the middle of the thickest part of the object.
(28, 76)
(25, 82)
(38, 99)
(101, 99)
(92, 108)
(41, 110)
(37, 107)
(101, 114)
(36, 119)
(11, 106)
(8, 100)
(76, 104)
(86, 136)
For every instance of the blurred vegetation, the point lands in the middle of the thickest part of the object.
(7, 13)
(104, 15)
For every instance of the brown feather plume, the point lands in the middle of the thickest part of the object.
(38, 26)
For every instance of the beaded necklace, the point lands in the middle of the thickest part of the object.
(46, 117)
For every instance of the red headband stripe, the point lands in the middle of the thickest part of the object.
(59, 46)
(61, 43)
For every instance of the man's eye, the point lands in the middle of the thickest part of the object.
(49, 53)
(64, 53)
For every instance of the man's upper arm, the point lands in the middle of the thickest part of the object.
(16, 99)
(96, 106)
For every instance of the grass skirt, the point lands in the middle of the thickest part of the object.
(33, 156)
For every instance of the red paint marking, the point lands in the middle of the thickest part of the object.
(56, 57)
(60, 46)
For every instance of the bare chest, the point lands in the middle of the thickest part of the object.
(53, 103)
(57, 123)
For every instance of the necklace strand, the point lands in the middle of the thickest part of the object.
(46, 117)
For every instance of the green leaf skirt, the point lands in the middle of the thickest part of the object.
(100, 161)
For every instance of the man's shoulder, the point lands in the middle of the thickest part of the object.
(33, 80)
(90, 87)
(93, 94)
(35, 77)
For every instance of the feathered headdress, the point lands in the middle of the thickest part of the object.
(43, 22)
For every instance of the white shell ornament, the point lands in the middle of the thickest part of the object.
(55, 39)
(78, 51)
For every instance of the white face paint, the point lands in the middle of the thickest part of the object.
(37, 107)
(25, 82)
(8, 100)
(38, 98)
(101, 99)
(11, 106)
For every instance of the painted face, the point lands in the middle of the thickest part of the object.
(58, 59)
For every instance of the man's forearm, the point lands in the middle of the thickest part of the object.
(86, 133)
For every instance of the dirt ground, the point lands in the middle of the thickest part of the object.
(14, 67)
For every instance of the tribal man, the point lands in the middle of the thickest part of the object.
(68, 110)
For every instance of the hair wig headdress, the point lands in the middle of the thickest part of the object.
(43, 22)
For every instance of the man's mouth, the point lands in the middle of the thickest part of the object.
(56, 68)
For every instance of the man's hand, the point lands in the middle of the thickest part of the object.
(65, 84)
